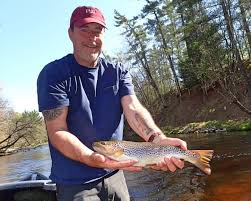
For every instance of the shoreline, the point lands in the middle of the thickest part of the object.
(213, 126)
(23, 149)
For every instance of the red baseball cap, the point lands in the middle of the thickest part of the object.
(86, 14)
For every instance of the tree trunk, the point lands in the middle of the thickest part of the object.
(144, 62)
(230, 96)
(245, 23)
(168, 55)
(234, 48)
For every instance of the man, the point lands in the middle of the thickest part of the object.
(83, 99)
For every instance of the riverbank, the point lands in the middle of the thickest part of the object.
(197, 127)
(214, 126)
(22, 149)
(197, 111)
(210, 127)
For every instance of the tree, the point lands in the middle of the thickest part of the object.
(6, 114)
(202, 43)
(138, 43)
(157, 26)
(22, 130)
(237, 60)
(243, 7)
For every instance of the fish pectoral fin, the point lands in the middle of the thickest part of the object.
(149, 165)
(118, 153)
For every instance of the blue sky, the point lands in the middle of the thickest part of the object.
(33, 33)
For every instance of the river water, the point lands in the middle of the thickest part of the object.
(230, 179)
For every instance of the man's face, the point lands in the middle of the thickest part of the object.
(87, 43)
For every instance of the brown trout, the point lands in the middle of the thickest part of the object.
(148, 153)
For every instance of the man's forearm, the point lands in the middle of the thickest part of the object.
(139, 118)
(70, 146)
(143, 124)
(64, 141)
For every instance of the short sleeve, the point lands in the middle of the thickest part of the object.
(125, 84)
(50, 92)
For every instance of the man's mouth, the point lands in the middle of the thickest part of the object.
(91, 46)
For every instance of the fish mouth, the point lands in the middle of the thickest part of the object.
(100, 147)
(97, 145)
(106, 148)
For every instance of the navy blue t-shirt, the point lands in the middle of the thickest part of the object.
(93, 97)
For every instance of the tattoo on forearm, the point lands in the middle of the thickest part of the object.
(142, 124)
(50, 115)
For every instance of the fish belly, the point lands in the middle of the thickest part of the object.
(147, 162)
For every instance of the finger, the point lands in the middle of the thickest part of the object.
(98, 157)
(155, 167)
(121, 164)
(178, 142)
(165, 169)
(179, 163)
(134, 169)
(170, 164)
(163, 166)
(183, 145)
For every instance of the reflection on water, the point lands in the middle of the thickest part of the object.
(230, 179)
(152, 185)
(16, 166)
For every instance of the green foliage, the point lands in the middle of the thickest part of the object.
(138, 52)
(231, 125)
(187, 74)
(244, 125)
(193, 33)
(23, 130)
(213, 126)
(182, 44)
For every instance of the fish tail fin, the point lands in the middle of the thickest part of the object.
(203, 161)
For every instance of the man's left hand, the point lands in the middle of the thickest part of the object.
(171, 163)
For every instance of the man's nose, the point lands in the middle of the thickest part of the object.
(92, 36)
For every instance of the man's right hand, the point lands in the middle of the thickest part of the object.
(100, 161)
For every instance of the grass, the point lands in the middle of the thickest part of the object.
(244, 125)
(229, 125)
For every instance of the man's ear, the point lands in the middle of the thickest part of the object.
(70, 32)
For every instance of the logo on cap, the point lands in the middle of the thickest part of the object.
(91, 11)
(86, 14)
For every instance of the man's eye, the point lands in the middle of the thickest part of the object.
(97, 32)
(93, 32)
(84, 30)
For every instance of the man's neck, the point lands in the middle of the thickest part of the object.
(85, 63)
